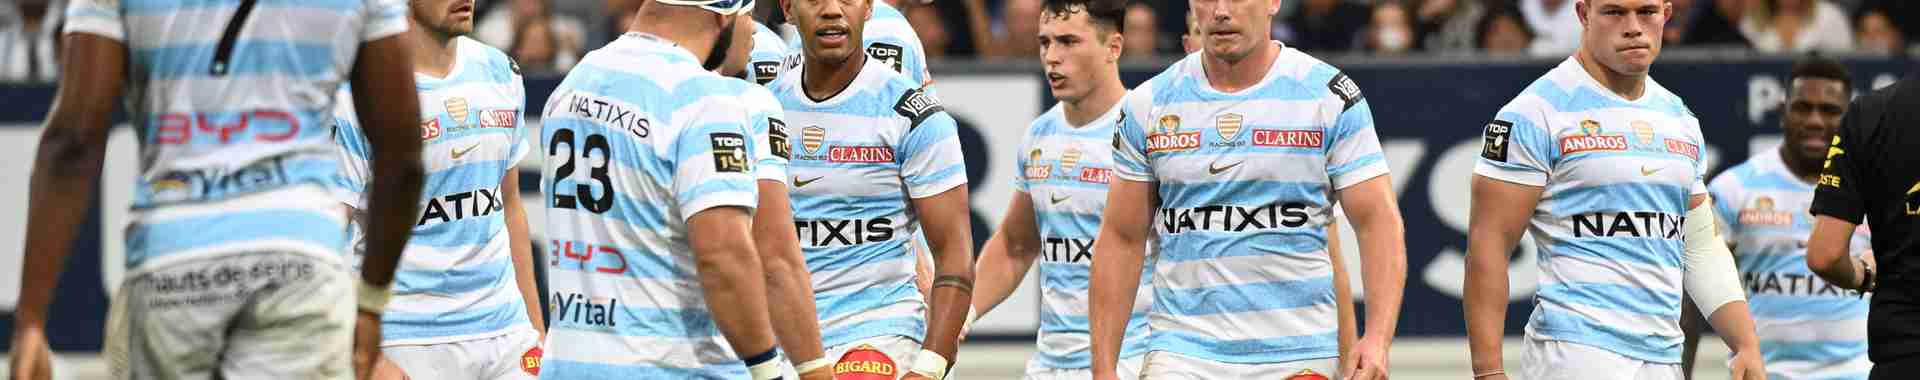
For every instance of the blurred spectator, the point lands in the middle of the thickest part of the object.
(1878, 34)
(1503, 32)
(500, 28)
(1449, 25)
(1707, 23)
(1392, 29)
(962, 27)
(1141, 36)
(1554, 24)
(29, 46)
(1022, 19)
(931, 29)
(1326, 26)
(1904, 15)
(1797, 26)
(538, 47)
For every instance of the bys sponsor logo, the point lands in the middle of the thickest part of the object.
(1287, 139)
(1639, 224)
(1227, 218)
(860, 154)
(1173, 142)
(584, 256)
(1681, 147)
(1064, 250)
(843, 232)
(580, 310)
(476, 203)
(612, 114)
(204, 129)
(217, 182)
(1792, 284)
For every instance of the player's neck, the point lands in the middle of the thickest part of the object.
(1627, 86)
(1234, 76)
(1096, 103)
(821, 80)
(433, 52)
(679, 25)
(1807, 170)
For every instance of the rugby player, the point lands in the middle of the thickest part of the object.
(888, 38)
(877, 158)
(1808, 328)
(650, 190)
(465, 303)
(234, 264)
(1244, 148)
(1055, 210)
(1602, 166)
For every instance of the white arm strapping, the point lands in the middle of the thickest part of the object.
(1710, 277)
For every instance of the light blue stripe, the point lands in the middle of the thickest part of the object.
(1584, 99)
(634, 320)
(943, 174)
(870, 255)
(466, 321)
(1785, 307)
(1134, 343)
(1370, 159)
(908, 327)
(147, 241)
(1211, 245)
(1566, 326)
(1614, 297)
(1189, 89)
(263, 126)
(807, 206)
(170, 6)
(293, 173)
(1238, 298)
(299, 60)
(1247, 351)
(635, 213)
(1824, 351)
(935, 130)
(553, 369)
(716, 187)
(1068, 277)
(1352, 122)
(631, 261)
(865, 300)
(454, 281)
(1643, 251)
(1073, 182)
(1627, 196)
(872, 103)
(471, 231)
(1754, 260)
(1067, 224)
(1246, 193)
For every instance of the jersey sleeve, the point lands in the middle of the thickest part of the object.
(97, 17)
(1839, 193)
(518, 91)
(383, 18)
(1699, 160)
(1515, 148)
(1022, 159)
(930, 159)
(916, 64)
(712, 159)
(770, 131)
(349, 184)
(1352, 148)
(1130, 136)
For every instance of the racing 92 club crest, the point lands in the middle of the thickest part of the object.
(1228, 126)
(812, 138)
(1644, 138)
(1070, 160)
(1591, 137)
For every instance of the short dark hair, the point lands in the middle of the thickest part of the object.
(1821, 67)
(1108, 14)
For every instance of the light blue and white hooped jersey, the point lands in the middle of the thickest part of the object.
(1809, 329)
(456, 280)
(232, 103)
(862, 155)
(1617, 175)
(770, 130)
(1246, 182)
(890, 39)
(769, 51)
(1065, 170)
(639, 138)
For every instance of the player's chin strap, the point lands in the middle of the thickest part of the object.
(1710, 278)
(372, 299)
(930, 364)
(770, 365)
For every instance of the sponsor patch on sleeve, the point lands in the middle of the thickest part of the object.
(1497, 139)
(890, 54)
(917, 105)
(777, 139)
(1348, 92)
(765, 71)
(729, 152)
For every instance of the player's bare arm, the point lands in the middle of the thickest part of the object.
(1342, 293)
(725, 259)
(1827, 254)
(390, 110)
(66, 168)
(1500, 214)
(522, 249)
(1122, 248)
(945, 221)
(1376, 221)
(1008, 255)
(1733, 321)
(787, 280)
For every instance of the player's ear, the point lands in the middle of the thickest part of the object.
(1580, 8)
(869, 16)
(1116, 45)
(1273, 7)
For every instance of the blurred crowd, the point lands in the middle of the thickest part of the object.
(548, 36)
